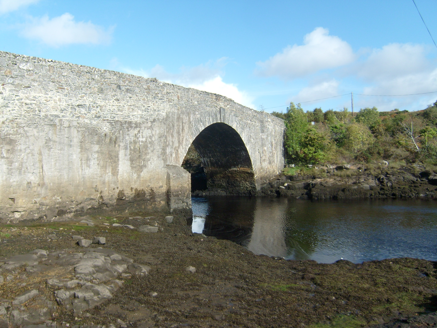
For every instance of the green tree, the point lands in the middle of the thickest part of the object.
(338, 134)
(428, 133)
(318, 115)
(343, 116)
(430, 114)
(280, 115)
(296, 126)
(330, 117)
(369, 117)
(393, 124)
(313, 147)
(358, 138)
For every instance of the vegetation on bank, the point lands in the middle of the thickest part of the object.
(335, 137)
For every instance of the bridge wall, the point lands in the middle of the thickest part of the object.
(74, 137)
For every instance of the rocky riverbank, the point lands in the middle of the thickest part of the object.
(356, 181)
(149, 270)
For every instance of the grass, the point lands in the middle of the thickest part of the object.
(5, 235)
(404, 301)
(290, 171)
(304, 170)
(342, 321)
(81, 228)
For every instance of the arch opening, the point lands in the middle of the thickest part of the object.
(219, 163)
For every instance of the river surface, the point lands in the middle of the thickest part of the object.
(326, 232)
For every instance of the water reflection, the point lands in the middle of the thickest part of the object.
(200, 208)
(322, 231)
(198, 224)
(268, 232)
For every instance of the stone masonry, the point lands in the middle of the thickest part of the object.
(73, 137)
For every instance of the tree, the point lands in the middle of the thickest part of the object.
(338, 134)
(343, 116)
(280, 115)
(318, 115)
(330, 117)
(296, 126)
(369, 117)
(358, 137)
(428, 133)
(430, 113)
(313, 147)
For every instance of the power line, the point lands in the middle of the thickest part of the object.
(411, 94)
(358, 94)
(308, 101)
(424, 23)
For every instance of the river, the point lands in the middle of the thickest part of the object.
(326, 232)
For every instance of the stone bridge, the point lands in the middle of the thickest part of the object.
(76, 137)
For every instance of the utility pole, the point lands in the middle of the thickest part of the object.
(352, 103)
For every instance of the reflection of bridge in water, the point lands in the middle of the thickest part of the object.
(258, 223)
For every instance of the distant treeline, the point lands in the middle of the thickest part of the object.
(317, 137)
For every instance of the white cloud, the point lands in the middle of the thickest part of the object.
(413, 83)
(203, 77)
(394, 61)
(317, 91)
(216, 85)
(64, 30)
(399, 69)
(320, 51)
(12, 5)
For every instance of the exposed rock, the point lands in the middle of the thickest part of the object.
(99, 240)
(19, 260)
(88, 222)
(84, 242)
(95, 273)
(169, 219)
(191, 269)
(25, 297)
(148, 228)
(139, 269)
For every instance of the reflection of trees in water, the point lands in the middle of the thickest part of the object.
(300, 235)
(325, 231)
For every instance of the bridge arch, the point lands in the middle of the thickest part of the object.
(219, 162)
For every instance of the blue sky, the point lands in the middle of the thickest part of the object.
(262, 54)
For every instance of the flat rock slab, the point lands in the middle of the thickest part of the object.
(25, 297)
(78, 280)
(148, 228)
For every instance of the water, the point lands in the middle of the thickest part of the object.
(356, 231)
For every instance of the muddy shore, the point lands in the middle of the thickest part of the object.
(196, 281)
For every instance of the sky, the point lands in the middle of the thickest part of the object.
(262, 54)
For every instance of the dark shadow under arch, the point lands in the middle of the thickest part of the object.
(219, 162)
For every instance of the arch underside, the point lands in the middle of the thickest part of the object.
(219, 162)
